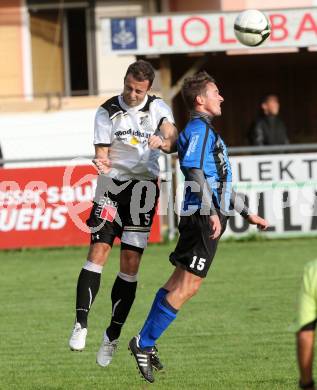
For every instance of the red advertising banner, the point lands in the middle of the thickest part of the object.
(47, 207)
(202, 32)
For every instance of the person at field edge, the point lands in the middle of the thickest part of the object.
(130, 131)
(306, 326)
(208, 198)
(269, 128)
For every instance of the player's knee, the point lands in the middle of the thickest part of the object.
(130, 267)
(98, 253)
(130, 260)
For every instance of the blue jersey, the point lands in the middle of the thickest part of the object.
(200, 147)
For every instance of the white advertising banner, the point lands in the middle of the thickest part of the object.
(53, 134)
(282, 188)
(202, 32)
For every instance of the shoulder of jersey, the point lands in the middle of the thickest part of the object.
(113, 107)
(201, 126)
(150, 100)
(197, 124)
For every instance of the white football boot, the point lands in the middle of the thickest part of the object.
(106, 351)
(77, 339)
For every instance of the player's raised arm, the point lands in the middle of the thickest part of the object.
(165, 135)
(169, 136)
(164, 138)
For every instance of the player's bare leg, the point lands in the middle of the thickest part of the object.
(182, 285)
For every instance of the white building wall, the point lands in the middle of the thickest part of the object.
(111, 68)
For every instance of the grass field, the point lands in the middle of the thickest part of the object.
(233, 335)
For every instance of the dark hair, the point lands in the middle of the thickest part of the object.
(194, 86)
(267, 97)
(141, 70)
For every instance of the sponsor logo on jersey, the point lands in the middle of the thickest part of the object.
(193, 145)
(222, 156)
(134, 141)
(145, 123)
(133, 137)
(122, 133)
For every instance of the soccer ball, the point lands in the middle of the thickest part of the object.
(251, 27)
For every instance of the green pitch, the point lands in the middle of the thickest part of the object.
(233, 335)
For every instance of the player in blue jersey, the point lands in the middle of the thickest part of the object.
(208, 198)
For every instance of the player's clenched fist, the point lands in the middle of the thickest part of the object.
(155, 142)
(103, 165)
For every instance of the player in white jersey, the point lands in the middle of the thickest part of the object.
(130, 131)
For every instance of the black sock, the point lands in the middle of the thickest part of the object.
(122, 296)
(87, 289)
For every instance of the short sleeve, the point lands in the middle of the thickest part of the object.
(199, 138)
(103, 127)
(163, 111)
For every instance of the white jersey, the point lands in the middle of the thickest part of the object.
(126, 130)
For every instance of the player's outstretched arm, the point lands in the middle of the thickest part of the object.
(261, 223)
(101, 159)
(165, 139)
(239, 205)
